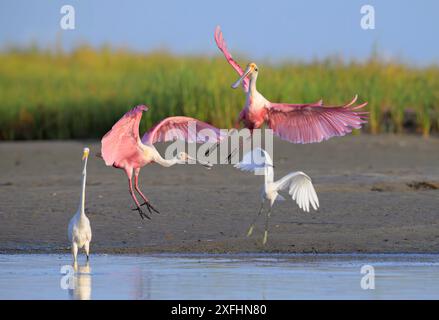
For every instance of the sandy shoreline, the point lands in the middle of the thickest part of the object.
(377, 194)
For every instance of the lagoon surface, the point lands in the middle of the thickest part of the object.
(307, 276)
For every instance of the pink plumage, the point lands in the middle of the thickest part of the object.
(123, 149)
(120, 144)
(296, 123)
(221, 43)
(313, 123)
(182, 128)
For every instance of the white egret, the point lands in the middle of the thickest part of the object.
(298, 183)
(79, 231)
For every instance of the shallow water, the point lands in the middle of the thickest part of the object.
(38, 276)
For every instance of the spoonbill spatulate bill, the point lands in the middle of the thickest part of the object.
(296, 123)
(122, 147)
(79, 230)
(298, 184)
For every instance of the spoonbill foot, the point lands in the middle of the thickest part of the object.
(142, 214)
(150, 207)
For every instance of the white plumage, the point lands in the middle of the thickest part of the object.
(300, 188)
(298, 184)
(79, 230)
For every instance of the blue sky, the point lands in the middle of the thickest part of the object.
(269, 29)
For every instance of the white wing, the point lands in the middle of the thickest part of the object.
(255, 160)
(300, 188)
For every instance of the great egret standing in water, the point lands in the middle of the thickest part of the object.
(298, 183)
(79, 231)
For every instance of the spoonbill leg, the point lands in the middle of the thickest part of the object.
(136, 186)
(141, 213)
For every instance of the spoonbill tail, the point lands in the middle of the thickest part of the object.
(298, 183)
(296, 123)
(79, 231)
(122, 147)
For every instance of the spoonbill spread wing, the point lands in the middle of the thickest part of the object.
(221, 43)
(311, 123)
(296, 123)
(122, 141)
(123, 149)
(183, 128)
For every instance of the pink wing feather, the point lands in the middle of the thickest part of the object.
(181, 128)
(221, 43)
(311, 123)
(122, 141)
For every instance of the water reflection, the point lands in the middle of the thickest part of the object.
(218, 277)
(138, 283)
(141, 284)
(82, 282)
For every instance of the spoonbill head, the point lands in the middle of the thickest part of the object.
(251, 72)
(184, 158)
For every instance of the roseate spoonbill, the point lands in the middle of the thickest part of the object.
(79, 231)
(122, 147)
(296, 123)
(298, 183)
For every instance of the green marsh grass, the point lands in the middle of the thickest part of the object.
(56, 95)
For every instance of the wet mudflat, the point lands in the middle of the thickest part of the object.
(377, 194)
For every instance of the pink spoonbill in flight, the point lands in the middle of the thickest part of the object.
(296, 123)
(122, 147)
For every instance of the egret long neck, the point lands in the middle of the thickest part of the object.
(84, 178)
(268, 175)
